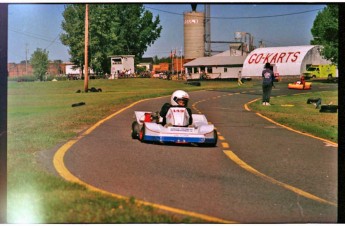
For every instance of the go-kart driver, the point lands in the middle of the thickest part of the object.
(179, 98)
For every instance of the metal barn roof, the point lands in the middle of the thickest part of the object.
(216, 61)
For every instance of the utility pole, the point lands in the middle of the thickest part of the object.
(177, 64)
(172, 61)
(181, 61)
(86, 59)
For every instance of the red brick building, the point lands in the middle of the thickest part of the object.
(22, 69)
(178, 64)
(161, 67)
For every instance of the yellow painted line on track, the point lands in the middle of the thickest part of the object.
(288, 128)
(60, 167)
(246, 104)
(225, 145)
(220, 137)
(250, 169)
(299, 132)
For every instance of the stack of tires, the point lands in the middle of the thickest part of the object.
(328, 108)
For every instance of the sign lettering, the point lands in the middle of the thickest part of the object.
(273, 58)
(181, 129)
(191, 21)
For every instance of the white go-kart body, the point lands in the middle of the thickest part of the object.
(148, 128)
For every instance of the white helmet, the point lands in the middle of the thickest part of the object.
(179, 95)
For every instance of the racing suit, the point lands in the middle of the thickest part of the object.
(165, 108)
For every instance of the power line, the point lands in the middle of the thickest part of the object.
(269, 16)
(265, 40)
(52, 42)
(164, 11)
(37, 36)
(244, 17)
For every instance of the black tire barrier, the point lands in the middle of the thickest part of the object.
(78, 104)
(329, 108)
(93, 89)
(194, 83)
(313, 100)
(316, 101)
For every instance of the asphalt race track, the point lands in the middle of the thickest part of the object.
(259, 172)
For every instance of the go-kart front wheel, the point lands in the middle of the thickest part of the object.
(135, 130)
(142, 134)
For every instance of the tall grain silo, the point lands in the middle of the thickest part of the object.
(194, 31)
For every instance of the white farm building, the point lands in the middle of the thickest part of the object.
(220, 66)
(286, 61)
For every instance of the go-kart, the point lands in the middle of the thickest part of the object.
(299, 85)
(148, 127)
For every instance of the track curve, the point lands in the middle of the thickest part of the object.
(205, 180)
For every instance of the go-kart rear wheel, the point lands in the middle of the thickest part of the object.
(135, 130)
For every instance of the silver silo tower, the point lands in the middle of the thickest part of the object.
(194, 31)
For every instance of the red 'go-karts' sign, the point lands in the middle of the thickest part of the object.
(283, 57)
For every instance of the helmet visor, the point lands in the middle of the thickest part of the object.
(181, 101)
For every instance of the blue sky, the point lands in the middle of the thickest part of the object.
(33, 26)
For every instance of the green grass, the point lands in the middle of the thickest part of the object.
(294, 112)
(40, 117)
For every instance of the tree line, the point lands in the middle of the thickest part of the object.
(129, 29)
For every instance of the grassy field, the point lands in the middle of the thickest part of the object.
(40, 117)
(294, 112)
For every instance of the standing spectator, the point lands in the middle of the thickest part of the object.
(239, 78)
(302, 80)
(267, 83)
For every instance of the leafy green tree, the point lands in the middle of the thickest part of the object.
(157, 60)
(114, 29)
(73, 25)
(325, 32)
(39, 62)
